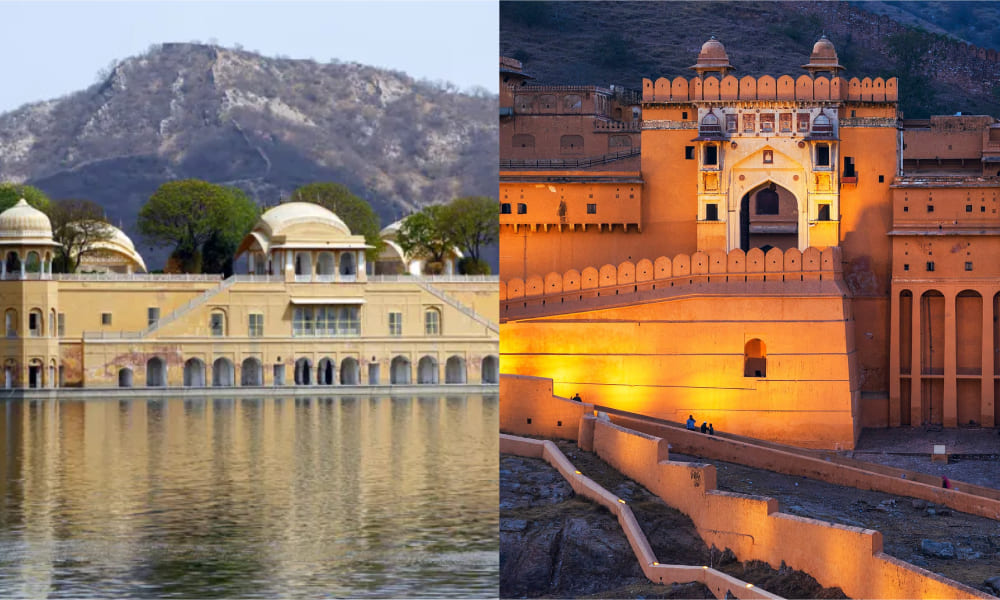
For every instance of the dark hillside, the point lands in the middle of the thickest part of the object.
(611, 42)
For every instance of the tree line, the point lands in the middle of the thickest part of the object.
(203, 224)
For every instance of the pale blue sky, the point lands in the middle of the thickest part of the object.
(53, 48)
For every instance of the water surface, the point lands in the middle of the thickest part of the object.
(196, 497)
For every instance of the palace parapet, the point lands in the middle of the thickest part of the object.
(766, 87)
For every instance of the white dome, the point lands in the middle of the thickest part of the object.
(120, 244)
(291, 213)
(25, 223)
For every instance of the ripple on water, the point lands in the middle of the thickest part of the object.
(254, 498)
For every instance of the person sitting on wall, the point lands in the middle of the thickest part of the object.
(711, 430)
(945, 482)
(704, 427)
(576, 397)
(690, 422)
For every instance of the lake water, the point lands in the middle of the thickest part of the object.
(205, 497)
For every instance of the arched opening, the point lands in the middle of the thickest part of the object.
(325, 264)
(125, 378)
(303, 371)
(10, 373)
(35, 323)
(347, 264)
(12, 265)
(326, 372)
(35, 373)
(754, 359)
(33, 264)
(10, 322)
(932, 356)
(454, 370)
(769, 218)
(251, 372)
(223, 373)
(194, 373)
(969, 356)
(52, 323)
(490, 371)
(427, 370)
(399, 370)
(303, 264)
(156, 372)
(350, 371)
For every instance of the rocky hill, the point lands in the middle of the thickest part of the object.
(620, 43)
(266, 125)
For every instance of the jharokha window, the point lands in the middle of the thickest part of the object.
(785, 122)
(802, 123)
(749, 123)
(767, 123)
(731, 124)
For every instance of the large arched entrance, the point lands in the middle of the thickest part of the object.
(223, 373)
(251, 372)
(769, 218)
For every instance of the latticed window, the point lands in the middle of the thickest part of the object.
(432, 322)
(396, 323)
(326, 321)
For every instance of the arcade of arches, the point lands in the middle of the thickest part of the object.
(945, 363)
(304, 372)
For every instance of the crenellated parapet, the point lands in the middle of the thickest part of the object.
(804, 88)
(559, 291)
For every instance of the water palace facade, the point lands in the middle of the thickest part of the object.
(307, 313)
(785, 257)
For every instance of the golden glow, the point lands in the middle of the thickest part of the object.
(579, 473)
(622, 501)
(749, 585)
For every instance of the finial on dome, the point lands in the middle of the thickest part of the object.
(22, 202)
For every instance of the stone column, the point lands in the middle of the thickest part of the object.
(950, 408)
(336, 265)
(986, 390)
(916, 366)
(894, 359)
(362, 267)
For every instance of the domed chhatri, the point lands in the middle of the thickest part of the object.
(304, 242)
(115, 254)
(23, 223)
(712, 58)
(394, 261)
(823, 58)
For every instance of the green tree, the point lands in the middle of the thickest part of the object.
(76, 225)
(352, 210)
(218, 250)
(473, 222)
(188, 213)
(427, 234)
(10, 193)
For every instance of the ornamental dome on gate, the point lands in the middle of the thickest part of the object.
(823, 58)
(712, 58)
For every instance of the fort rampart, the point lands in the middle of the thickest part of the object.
(752, 526)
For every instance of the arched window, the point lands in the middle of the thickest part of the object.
(217, 323)
(347, 264)
(710, 124)
(754, 359)
(432, 322)
(34, 263)
(36, 327)
(10, 322)
(821, 124)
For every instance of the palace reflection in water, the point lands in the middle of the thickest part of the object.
(366, 496)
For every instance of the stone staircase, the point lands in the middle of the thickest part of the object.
(191, 305)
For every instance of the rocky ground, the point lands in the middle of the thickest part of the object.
(555, 544)
(959, 546)
(975, 452)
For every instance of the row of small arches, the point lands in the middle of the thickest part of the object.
(735, 262)
(785, 87)
(304, 372)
